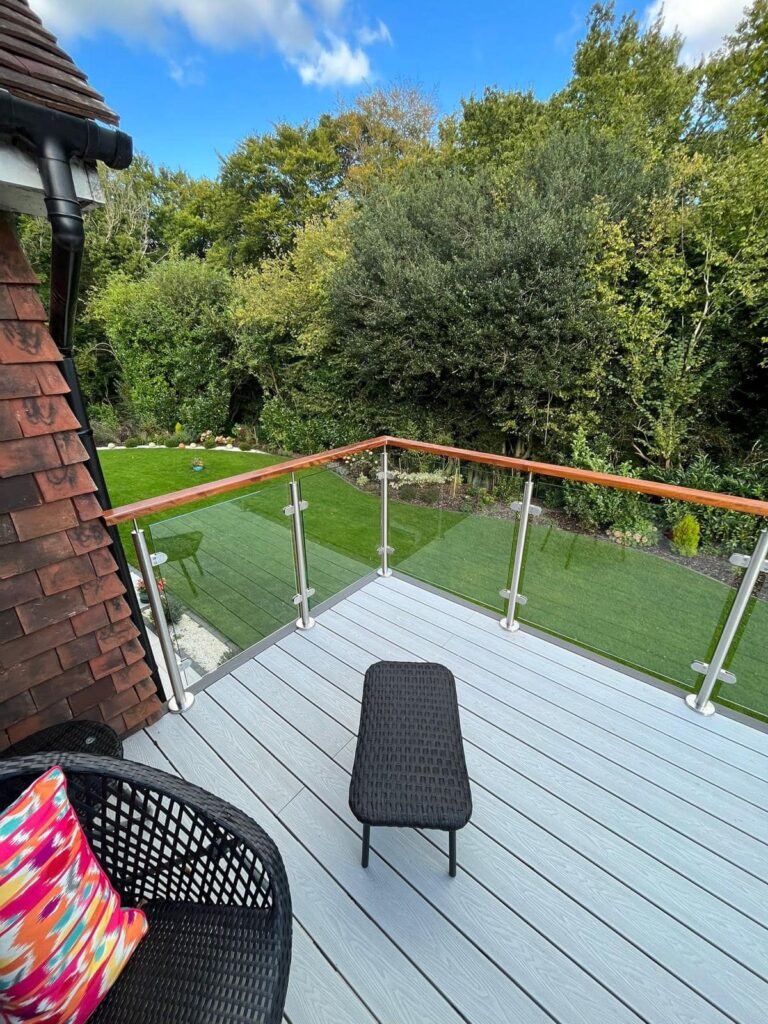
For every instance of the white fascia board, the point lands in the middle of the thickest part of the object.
(21, 189)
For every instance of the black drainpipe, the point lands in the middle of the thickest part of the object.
(53, 138)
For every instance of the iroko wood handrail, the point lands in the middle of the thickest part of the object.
(149, 506)
(233, 483)
(587, 476)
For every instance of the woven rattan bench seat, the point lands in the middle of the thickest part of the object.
(409, 765)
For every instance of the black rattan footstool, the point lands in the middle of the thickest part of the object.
(409, 765)
(71, 737)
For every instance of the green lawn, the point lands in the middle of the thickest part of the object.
(230, 560)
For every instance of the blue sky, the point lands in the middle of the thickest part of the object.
(192, 77)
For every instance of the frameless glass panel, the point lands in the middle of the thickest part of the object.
(451, 524)
(341, 523)
(603, 569)
(171, 616)
(748, 658)
(228, 575)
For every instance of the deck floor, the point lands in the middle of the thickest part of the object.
(614, 868)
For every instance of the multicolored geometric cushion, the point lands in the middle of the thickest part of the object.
(63, 937)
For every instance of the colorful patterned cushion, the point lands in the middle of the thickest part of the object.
(63, 936)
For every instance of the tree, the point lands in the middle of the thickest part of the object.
(382, 130)
(136, 225)
(736, 92)
(495, 130)
(272, 185)
(285, 338)
(172, 340)
(631, 82)
(476, 317)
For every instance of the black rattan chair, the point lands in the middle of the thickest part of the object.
(211, 882)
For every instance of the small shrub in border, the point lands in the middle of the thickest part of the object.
(641, 534)
(685, 536)
(173, 609)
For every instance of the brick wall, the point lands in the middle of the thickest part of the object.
(68, 647)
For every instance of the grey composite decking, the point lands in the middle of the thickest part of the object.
(613, 870)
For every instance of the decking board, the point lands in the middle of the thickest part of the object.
(593, 796)
(549, 679)
(592, 884)
(625, 860)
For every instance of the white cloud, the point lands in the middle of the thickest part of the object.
(379, 34)
(337, 64)
(303, 31)
(330, 8)
(704, 23)
(187, 71)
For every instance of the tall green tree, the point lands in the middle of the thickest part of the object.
(473, 314)
(629, 80)
(285, 339)
(272, 185)
(494, 130)
(172, 339)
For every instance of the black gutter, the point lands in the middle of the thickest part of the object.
(54, 138)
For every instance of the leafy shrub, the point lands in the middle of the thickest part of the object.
(172, 339)
(209, 443)
(604, 508)
(245, 436)
(173, 609)
(366, 464)
(641, 534)
(408, 492)
(397, 478)
(721, 529)
(295, 430)
(507, 487)
(132, 442)
(685, 535)
(105, 424)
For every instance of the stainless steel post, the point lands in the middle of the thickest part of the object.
(180, 699)
(513, 595)
(384, 549)
(714, 670)
(304, 592)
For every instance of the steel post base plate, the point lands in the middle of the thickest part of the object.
(509, 627)
(386, 573)
(708, 709)
(177, 709)
(300, 623)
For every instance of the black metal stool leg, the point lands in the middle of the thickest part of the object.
(452, 853)
(366, 844)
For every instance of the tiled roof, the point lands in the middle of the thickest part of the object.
(33, 66)
(68, 647)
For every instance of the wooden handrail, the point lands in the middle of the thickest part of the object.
(150, 506)
(733, 502)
